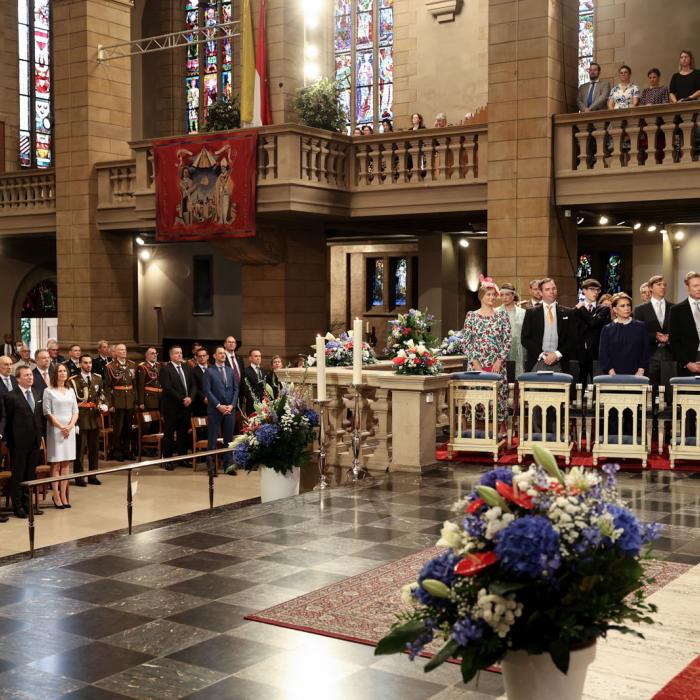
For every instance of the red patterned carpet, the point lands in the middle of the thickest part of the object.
(362, 608)
(684, 686)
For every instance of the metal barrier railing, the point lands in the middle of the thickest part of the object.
(128, 468)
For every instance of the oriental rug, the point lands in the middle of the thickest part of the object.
(362, 608)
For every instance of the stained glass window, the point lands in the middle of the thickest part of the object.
(364, 59)
(377, 283)
(612, 282)
(35, 96)
(586, 11)
(401, 282)
(208, 67)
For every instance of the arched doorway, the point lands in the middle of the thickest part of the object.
(39, 314)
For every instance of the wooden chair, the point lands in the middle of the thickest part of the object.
(623, 417)
(147, 440)
(201, 445)
(685, 410)
(544, 413)
(472, 392)
(105, 435)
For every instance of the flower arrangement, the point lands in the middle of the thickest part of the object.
(540, 561)
(453, 344)
(416, 359)
(339, 351)
(278, 433)
(414, 325)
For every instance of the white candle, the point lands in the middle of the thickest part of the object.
(367, 327)
(357, 351)
(320, 368)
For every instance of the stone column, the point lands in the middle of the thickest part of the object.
(532, 75)
(9, 81)
(96, 271)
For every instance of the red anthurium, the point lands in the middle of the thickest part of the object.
(399, 360)
(475, 505)
(521, 499)
(474, 563)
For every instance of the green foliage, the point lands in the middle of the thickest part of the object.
(224, 116)
(317, 105)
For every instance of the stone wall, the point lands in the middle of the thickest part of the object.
(9, 81)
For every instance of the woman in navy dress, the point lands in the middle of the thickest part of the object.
(624, 346)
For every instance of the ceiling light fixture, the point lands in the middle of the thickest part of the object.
(140, 241)
(145, 255)
(663, 231)
(637, 226)
(651, 228)
(679, 235)
(621, 223)
(464, 242)
(603, 220)
(580, 220)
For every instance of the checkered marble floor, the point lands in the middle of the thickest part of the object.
(160, 614)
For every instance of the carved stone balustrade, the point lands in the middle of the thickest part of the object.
(28, 201)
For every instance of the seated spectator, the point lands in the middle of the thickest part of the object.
(594, 94)
(357, 131)
(624, 348)
(655, 94)
(440, 120)
(417, 121)
(685, 85)
(625, 94)
(387, 126)
(367, 130)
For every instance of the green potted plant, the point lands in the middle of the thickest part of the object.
(224, 116)
(317, 105)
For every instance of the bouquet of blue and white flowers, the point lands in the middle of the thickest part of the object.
(453, 344)
(539, 561)
(339, 351)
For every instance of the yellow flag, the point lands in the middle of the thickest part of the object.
(248, 66)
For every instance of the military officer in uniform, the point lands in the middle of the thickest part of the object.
(119, 385)
(87, 386)
(148, 389)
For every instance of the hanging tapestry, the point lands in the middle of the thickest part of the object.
(205, 186)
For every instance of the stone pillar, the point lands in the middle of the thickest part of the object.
(532, 75)
(95, 271)
(9, 81)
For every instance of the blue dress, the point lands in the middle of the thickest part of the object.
(624, 347)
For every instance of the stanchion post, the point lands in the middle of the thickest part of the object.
(322, 478)
(129, 500)
(31, 521)
(358, 471)
(211, 472)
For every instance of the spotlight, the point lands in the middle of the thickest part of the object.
(637, 226)
(603, 220)
(464, 242)
(679, 235)
(145, 255)
(311, 51)
(651, 228)
(140, 241)
(663, 231)
(312, 70)
(580, 220)
(621, 223)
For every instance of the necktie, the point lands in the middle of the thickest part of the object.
(30, 399)
(695, 306)
(589, 100)
(222, 371)
(589, 307)
(182, 376)
(550, 315)
(659, 312)
(8, 383)
(45, 376)
(234, 367)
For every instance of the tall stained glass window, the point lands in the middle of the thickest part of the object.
(208, 68)
(35, 96)
(586, 10)
(364, 59)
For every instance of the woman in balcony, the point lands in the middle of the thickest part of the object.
(655, 94)
(487, 341)
(625, 94)
(685, 85)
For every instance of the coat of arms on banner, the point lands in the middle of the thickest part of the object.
(205, 186)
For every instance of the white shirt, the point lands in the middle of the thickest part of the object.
(659, 306)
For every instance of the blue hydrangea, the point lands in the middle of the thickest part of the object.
(240, 454)
(467, 630)
(529, 546)
(266, 434)
(610, 478)
(312, 417)
(589, 540)
(652, 531)
(498, 474)
(474, 526)
(630, 541)
(440, 568)
(416, 646)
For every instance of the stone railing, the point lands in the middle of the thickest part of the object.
(26, 192)
(116, 184)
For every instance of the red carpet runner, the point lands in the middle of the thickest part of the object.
(684, 686)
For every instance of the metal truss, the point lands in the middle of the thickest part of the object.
(165, 42)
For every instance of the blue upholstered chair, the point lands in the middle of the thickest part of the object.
(473, 410)
(685, 409)
(544, 413)
(623, 416)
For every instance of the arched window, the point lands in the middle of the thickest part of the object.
(364, 59)
(208, 70)
(586, 34)
(35, 95)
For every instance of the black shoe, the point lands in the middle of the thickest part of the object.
(38, 512)
(231, 473)
(80, 482)
(3, 518)
(67, 505)
(94, 480)
(20, 514)
(55, 505)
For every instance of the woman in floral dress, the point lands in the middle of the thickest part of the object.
(487, 340)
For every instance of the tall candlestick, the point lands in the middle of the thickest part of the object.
(357, 351)
(320, 368)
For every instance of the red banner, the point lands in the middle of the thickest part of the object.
(205, 186)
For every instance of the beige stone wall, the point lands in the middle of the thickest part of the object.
(9, 83)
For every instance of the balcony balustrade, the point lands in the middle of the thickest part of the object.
(28, 201)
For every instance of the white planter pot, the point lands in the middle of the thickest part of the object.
(274, 485)
(534, 677)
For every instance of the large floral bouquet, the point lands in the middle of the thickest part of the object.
(278, 433)
(416, 359)
(339, 351)
(453, 344)
(414, 325)
(539, 561)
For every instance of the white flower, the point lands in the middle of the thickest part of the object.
(451, 535)
(407, 597)
(499, 612)
(496, 520)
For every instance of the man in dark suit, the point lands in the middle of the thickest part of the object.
(253, 380)
(684, 331)
(221, 390)
(7, 380)
(56, 357)
(201, 363)
(24, 429)
(232, 359)
(42, 371)
(72, 364)
(548, 332)
(102, 359)
(179, 390)
(535, 299)
(590, 319)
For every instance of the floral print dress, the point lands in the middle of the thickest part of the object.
(487, 339)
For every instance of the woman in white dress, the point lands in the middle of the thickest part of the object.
(516, 316)
(61, 410)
